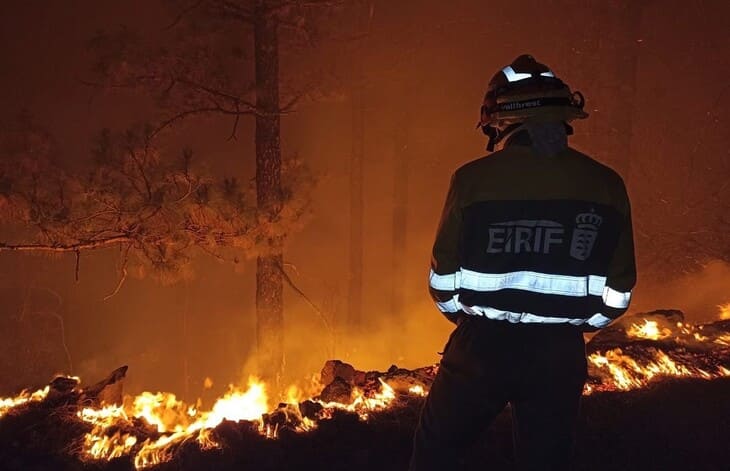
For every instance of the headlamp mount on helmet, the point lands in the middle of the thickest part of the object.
(523, 91)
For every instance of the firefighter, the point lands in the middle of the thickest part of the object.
(534, 248)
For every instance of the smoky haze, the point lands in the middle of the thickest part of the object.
(654, 75)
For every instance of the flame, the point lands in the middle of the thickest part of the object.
(724, 311)
(648, 330)
(417, 390)
(159, 451)
(106, 447)
(681, 351)
(149, 427)
(237, 405)
(723, 340)
(629, 374)
(162, 410)
(6, 404)
(169, 416)
(363, 403)
(103, 446)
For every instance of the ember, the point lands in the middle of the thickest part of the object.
(150, 428)
(659, 344)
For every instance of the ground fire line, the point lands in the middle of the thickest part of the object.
(150, 428)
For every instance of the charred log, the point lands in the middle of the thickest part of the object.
(109, 390)
(403, 380)
(285, 416)
(338, 390)
(336, 368)
(310, 409)
(336, 373)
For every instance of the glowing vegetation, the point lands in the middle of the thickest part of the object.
(150, 427)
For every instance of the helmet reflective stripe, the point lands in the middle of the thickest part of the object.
(549, 73)
(513, 76)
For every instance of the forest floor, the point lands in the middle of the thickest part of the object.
(670, 425)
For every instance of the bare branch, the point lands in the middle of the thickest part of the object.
(183, 13)
(180, 116)
(216, 255)
(142, 173)
(94, 215)
(232, 137)
(59, 318)
(189, 190)
(26, 299)
(283, 5)
(231, 10)
(289, 106)
(81, 245)
(94, 84)
(215, 92)
(197, 111)
(296, 289)
(119, 285)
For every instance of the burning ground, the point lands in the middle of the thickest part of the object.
(656, 399)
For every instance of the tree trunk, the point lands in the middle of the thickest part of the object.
(354, 299)
(400, 208)
(402, 155)
(400, 227)
(606, 60)
(269, 283)
(400, 221)
(626, 52)
(354, 302)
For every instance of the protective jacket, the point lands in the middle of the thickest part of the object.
(535, 239)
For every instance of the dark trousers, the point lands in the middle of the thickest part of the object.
(538, 369)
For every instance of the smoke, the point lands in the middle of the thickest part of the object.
(410, 339)
(698, 295)
(414, 337)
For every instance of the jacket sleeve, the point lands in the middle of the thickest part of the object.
(444, 278)
(621, 275)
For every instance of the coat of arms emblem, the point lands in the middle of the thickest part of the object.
(584, 235)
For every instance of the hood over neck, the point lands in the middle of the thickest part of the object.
(546, 138)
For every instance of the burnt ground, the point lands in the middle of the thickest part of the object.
(672, 425)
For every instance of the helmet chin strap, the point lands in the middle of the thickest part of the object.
(498, 137)
(492, 133)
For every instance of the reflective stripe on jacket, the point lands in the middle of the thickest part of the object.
(529, 238)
